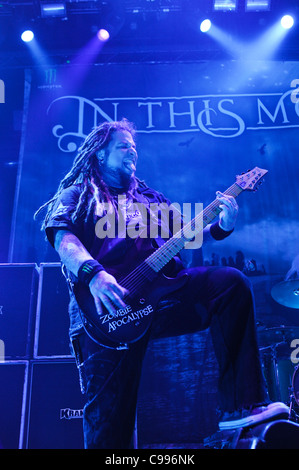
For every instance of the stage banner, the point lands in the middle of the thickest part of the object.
(199, 125)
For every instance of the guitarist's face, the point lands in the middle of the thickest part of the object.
(120, 160)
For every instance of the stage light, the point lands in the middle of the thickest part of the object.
(225, 5)
(103, 35)
(287, 21)
(27, 36)
(56, 10)
(257, 5)
(205, 26)
(226, 40)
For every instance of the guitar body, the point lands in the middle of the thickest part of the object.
(146, 289)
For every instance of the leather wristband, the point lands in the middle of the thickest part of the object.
(88, 270)
(218, 233)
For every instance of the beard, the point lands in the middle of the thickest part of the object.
(117, 178)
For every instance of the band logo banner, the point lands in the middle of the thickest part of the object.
(199, 125)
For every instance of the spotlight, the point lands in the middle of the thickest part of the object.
(257, 5)
(54, 10)
(287, 21)
(205, 26)
(27, 36)
(103, 35)
(225, 5)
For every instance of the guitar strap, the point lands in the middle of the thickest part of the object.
(68, 277)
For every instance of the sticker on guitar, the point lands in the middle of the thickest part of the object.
(127, 316)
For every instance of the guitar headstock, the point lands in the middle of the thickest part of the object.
(250, 180)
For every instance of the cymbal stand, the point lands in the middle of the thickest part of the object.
(275, 369)
(293, 416)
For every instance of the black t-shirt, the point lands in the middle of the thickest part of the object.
(140, 211)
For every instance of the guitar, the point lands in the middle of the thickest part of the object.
(143, 278)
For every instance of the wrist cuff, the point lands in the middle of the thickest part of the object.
(88, 270)
(218, 233)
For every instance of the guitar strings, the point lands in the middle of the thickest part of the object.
(159, 258)
(172, 243)
(132, 282)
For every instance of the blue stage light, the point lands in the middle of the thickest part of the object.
(54, 10)
(258, 5)
(27, 36)
(287, 21)
(225, 5)
(205, 25)
(103, 35)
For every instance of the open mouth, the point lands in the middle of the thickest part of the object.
(130, 164)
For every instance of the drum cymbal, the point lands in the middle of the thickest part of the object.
(287, 293)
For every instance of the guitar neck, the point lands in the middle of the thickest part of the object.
(159, 258)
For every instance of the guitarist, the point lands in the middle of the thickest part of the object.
(215, 297)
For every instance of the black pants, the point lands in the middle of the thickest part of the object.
(216, 297)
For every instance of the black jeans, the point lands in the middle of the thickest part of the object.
(217, 297)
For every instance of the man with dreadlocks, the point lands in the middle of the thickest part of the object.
(219, 298)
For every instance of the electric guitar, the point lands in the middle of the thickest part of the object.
(140, 273)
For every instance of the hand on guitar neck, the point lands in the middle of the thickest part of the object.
(229, 211)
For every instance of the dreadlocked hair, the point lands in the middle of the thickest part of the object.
(86, 171)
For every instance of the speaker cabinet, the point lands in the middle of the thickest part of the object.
(52, 319)
(18, 292)
(13, 379)
(55, 406)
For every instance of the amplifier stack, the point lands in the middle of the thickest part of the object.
(41, 403)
